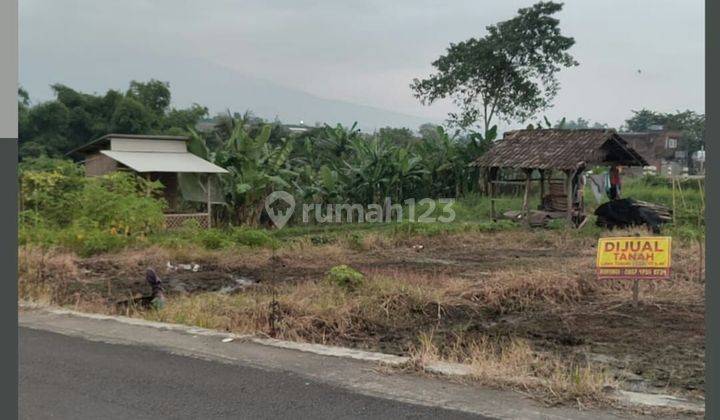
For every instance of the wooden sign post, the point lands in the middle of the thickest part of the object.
(634, 258)
(636, 292)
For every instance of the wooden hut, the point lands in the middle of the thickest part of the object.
(551, 152)
(157, 158)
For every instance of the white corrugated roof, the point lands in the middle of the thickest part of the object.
(164, 162)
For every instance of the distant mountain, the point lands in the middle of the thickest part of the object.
(210, 85)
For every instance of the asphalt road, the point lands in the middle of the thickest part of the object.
(67, 377)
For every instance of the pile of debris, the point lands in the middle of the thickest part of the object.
(629, 212)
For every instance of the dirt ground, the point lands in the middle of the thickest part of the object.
(657, 345)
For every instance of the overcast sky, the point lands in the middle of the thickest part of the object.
(360, 52)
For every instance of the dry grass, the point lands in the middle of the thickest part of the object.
(538, 281)
(44, 275)
(317, 311)
(512, 362)
(512, 291)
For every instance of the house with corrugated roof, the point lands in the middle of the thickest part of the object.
(157, 158)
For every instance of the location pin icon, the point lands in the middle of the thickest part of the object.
(280, 218)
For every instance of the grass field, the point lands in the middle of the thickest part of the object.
(521, 306)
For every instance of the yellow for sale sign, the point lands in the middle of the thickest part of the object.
(634, 257)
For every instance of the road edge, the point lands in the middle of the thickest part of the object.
(627, 398)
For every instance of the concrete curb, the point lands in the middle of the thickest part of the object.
(320, 349)
(436, 367)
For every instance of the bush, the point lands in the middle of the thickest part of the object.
(83, 240)
(87, 215)
(33, 231)
(345, 277)
(93, 241)
(50, 194)
(213, 239)
(122, 202)
(252, 238)
(190, 226)
(355, 241)
(557, 224)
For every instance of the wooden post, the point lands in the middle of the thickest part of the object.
(682, 195)
(483, 181)
(542, 185)
(636, 292)
(672, 181)
(492, 174)
(526, 197)
(209, 204)
(569, 194)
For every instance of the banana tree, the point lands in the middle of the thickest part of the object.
(255, 169)
(407, 173)
(369, 169)
(336, 141)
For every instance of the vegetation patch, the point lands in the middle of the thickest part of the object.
(345, 277)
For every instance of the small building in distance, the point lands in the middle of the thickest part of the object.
(157, 158)
(665, 151)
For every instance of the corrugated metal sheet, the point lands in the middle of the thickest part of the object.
(559, 149)
(164, 162)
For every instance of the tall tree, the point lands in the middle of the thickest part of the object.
(155, 95)
(73, 118)
(509, 74)
(131, 117)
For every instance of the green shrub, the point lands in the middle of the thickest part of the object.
(83, 240)
(190, 226)
(33, 231)
(355, 241)
(213, 239)
(122, 202)
(51, 194)
(94, 241)
(345, 277)
(557, 224)
(170, 240)
(62, 207)
(252, 238)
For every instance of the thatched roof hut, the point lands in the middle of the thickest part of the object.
(548, 150)
(560, 149)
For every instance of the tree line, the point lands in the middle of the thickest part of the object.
(510, 74)
(324, 164)
(53, 128)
